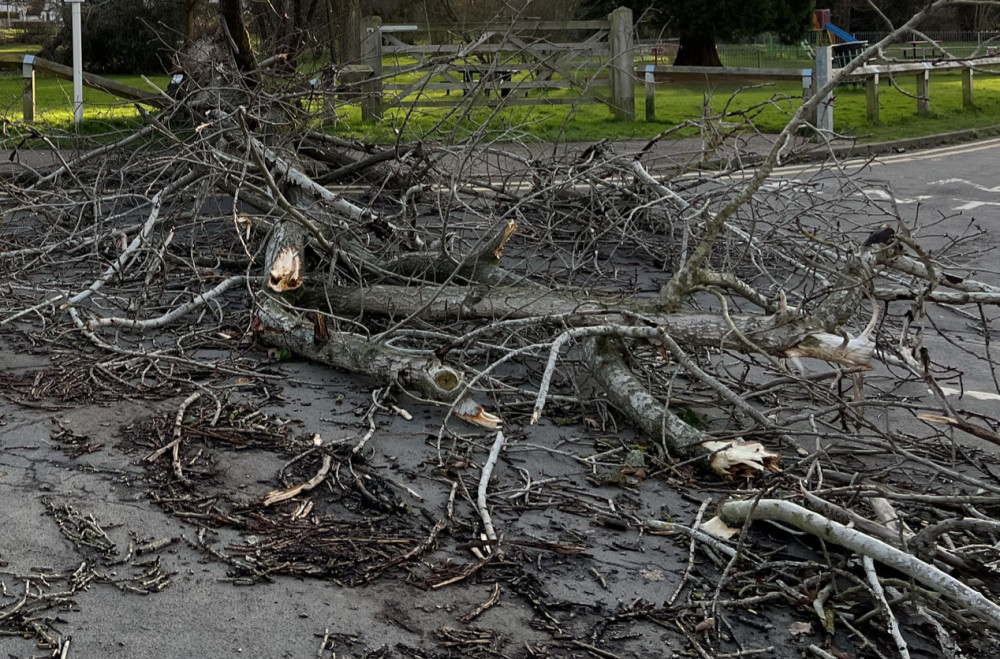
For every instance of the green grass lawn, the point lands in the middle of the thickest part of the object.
(54, 102)
(19, 48)
(767, 106)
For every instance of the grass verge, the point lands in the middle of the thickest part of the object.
(768, 107)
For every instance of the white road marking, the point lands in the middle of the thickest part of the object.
(972, 205)
(929, 154)
(883, 195)
(969, 183)
(980, 395)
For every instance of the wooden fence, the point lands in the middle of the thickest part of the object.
(872, 75)
(29, 64)
(513, 64)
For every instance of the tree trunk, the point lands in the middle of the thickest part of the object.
(348, 17)
(697, 50)
(190, 7)
(232, 16)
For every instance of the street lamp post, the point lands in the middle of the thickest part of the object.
(77, 61)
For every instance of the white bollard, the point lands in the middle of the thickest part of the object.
(77, 61)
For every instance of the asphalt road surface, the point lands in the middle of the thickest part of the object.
(202, 613)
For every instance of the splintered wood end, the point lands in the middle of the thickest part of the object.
(508, 231)
(285, 271)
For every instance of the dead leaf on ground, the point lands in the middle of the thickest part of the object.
(800, 627)
(652, 574)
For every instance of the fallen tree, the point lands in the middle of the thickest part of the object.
(506, 284)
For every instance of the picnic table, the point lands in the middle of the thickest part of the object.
(926, 48)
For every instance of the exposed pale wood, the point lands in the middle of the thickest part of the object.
(286, 243)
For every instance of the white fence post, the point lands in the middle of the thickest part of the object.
(650, 80)
(77, 61)
(28, 95)
(808, 89)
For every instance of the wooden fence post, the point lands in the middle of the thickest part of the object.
(872, 85)
(824, 69)
(967, 92)
(924, 92)
(622, 64)
(28, 99)
(371, 54)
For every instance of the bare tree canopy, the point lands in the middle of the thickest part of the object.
(594, 333)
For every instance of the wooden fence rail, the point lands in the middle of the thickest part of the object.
(872, 75)
(503, 60)
(31, 64)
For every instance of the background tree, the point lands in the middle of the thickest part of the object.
(122, 36)
(700, 24)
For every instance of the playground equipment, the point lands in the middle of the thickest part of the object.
(845, 46)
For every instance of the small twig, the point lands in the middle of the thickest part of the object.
(494, 598)
(876, 586)
(276, 496)
(691, 547)
(484, 482)
(175, 443)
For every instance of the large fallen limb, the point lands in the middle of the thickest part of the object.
(736, 513)
(308, 337)
(731, 458)
(773, 334)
